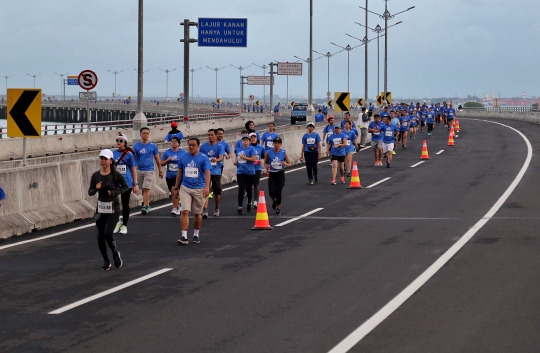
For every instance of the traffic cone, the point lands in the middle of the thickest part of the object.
(457, 125)
(452, 131)
(261, 220)
(424, 151)
(450, 139)
(355, 178)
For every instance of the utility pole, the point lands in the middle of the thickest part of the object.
(272, 87)
(241, 86)
(34, 76)
(187, 24)
(192, 83)
(167, 82)
(61, 82)
(348, 49)
(216, 70)
(139, 121)
(115, 73)
(6, 77)
(310, 112)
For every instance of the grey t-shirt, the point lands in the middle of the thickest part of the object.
(117, 187)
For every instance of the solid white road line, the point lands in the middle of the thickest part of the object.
(417, 164)
(364, 329)
(107, 292)
(377, 183)
(441, 151)
(299, 217)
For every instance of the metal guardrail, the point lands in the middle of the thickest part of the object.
(524, 109)
(62, 129)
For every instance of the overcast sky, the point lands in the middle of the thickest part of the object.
(443, 47)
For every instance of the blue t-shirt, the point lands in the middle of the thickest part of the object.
(260, 156)
(311, 141)
(226, 148)
(353, 126)
(429, 118)
(170, 136)
(337, 139)
(172, 166)
(245, 167)
(276, 160)
(414, 120)
(329, 131)
(351, 137)
(376, 136)
(383, 114)
(213, 152)
(124, 166)
(268, 139)
(194, 170)
(145, 156)
(2, 194)
(451, 112)
(319, 118)
(388, 132)
(404, 121)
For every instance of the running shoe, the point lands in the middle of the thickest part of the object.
(148, 208)
(196, 239)
(173, 211)
(376, 163)
(254, 204)
(387, 164)
(393, 152)
(123, 229)
(240, 210)
(334, 182)
(143, 210)
(205, 215)
(117, 227)
(211, 195)
(310, 182)
(177, 211)
(278, 211)
(348, 175)
(106, 266)
(342, 180)
(183, 240)
(404, 147)
(216, 212)
(249, 207)
(117, 259)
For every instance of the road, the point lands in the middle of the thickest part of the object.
(308, 284)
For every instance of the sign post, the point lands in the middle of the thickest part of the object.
(87, 80)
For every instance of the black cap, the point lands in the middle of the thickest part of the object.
(278, 139)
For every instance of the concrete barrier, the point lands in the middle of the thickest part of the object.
(529, 117)
(46, 195)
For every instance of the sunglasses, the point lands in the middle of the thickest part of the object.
(119, 140)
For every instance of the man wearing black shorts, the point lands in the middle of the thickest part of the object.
(215, 153)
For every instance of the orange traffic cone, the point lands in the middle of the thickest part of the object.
(450, 139)
(424, 151)
(355, 178)
(457, 125)
(452, 131)
(261, 220)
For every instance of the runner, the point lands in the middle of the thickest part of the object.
(225, 144)
(363, 123)
(352, 137)
(404, 129)
(239, 142)
(268, 137)
(174, 132)
(346, 118)
(430, 121)
(451, 114)
(245, 156)
(376, 139)
(389, 132)
(170, 159)
(319, 117)
(337, 143)
(146, 153)
(423, 116)
(126, 165)
(192, 186)
(385, 112)
(328, 131)
(278, 160)
(258, 166)
(395, 121)
(311, 152)
(108, 184)
(215, 152)
(444, 114)
(250, 127)
(437, 111)
(413, 125)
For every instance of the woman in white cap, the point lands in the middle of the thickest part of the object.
(108, 184)
(126, 164)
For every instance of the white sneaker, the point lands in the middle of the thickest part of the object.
(177, 211)
(117, 227)
(173, 211)
(254, 204)
(123, 230)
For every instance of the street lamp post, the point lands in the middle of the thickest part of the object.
(34, 76)
(192, 71)
(139, 121)
(241, 85)
(216, 70)
(348, 49)
(328, 56)
(264, 67)
(167, 82)
(61, 82)
(6, 77)
(386, 16)
(115, 73)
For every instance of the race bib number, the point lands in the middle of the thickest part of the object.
(389, 133)
(270, 144)
(330, 133)
(173, 167)
(277, 165)
(241, 161)
(192, 172)
(122, 169)
(213, 164)
(337, 141)
(310, 141)
(348, 143)
(376, 133)
(105, 207)
(451, 114)
(404, 123)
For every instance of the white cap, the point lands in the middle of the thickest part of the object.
(310, 124)
(252, 134)
(106, 153)
(122, 136)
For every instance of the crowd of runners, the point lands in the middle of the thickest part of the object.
(193, 177)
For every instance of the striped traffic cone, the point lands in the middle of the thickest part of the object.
(261, 220)
(450, 139)
(424, 151)
(452, 131)
(457, 125)
(355, 178)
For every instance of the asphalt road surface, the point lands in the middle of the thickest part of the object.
(338, 278)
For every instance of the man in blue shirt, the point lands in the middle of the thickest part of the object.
(388, 132)
(319, 117)
(146, 152)
(376, 139)
(170, 159)
(225, 144)
(450, 115)
(193, 186)
(385, 112)
(215, 153)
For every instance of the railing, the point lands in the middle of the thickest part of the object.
(62, 129)
(524, 109)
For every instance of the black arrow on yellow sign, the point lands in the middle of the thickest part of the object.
(340, 102)
(18, 113)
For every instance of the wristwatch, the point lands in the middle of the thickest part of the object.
(135, 184)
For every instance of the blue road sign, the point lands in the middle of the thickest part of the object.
(73, 81)
(222, 32)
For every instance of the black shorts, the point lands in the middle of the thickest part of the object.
(170, 183)
(215, 181)
(422, 123)
(338, 158)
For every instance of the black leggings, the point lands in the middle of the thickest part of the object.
(276, 182)
(245, 184)
(125, 206)
(429, 128)
(105, 223)
(256, 181)
(312, 158)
